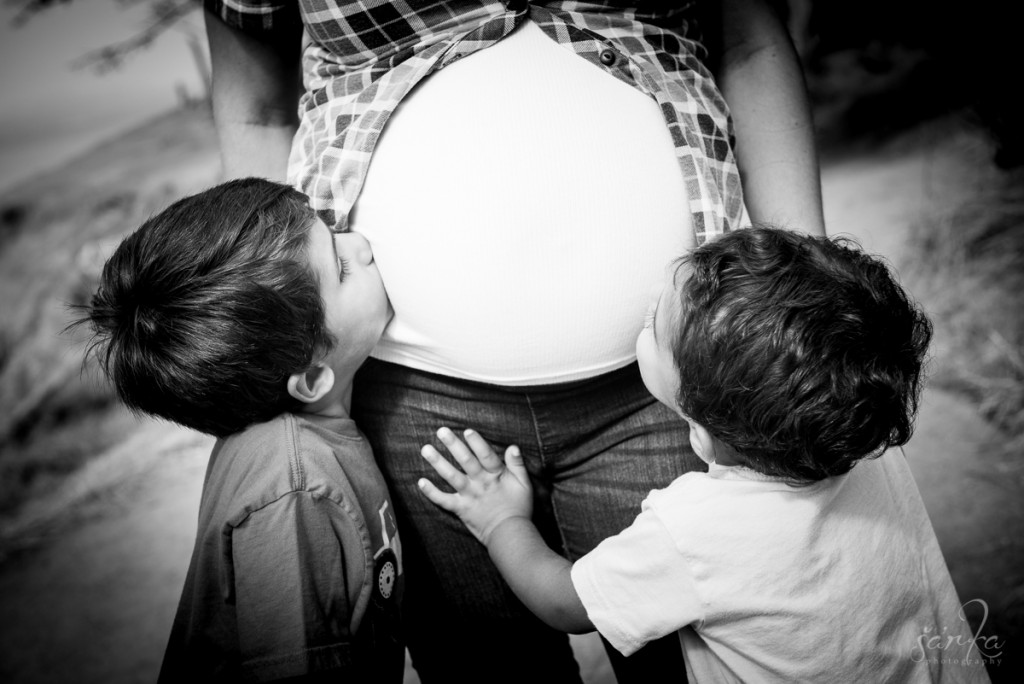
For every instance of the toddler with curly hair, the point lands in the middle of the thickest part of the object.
(804, 553)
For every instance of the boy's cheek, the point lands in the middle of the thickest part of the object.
(649, 370)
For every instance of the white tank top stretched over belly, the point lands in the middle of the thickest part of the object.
(522, 205)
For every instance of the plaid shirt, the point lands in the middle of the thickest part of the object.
(366, 55)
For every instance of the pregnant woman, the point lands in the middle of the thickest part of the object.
(524, 172)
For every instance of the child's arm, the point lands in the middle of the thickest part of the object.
(494, 500)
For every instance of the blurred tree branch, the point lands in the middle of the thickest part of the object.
(26, 9)
(163, 15)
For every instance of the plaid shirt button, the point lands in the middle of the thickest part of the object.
(607, 57)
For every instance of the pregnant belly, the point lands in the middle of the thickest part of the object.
(523, 206)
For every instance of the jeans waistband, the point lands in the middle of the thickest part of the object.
(627, 374)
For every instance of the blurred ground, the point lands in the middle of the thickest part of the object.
(94, 564)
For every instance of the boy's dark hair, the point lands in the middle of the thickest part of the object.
(801, 353)
(203, 313)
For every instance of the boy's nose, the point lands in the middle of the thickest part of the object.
(358, 246)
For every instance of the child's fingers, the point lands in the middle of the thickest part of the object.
(514, 463)
(445, 469)
(445, 501)
(459, 451)
(488, 459)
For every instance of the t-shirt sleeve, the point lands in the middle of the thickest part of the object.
(293, 587)
(257, 17)
(636, 586)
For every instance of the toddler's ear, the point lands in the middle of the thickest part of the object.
(704, 445)
(311, 385)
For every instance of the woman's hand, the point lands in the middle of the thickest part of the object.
(487, 491)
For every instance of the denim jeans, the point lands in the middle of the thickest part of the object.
(593, 448)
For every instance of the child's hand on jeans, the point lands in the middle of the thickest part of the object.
(487, 491)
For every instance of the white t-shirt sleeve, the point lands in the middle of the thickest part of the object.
(637, 586)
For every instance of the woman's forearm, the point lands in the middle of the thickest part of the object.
(254, 149)
(255, 91)
(761, 78)
(538, 576)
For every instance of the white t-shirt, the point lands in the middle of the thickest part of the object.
(839, 581)
(522, 205)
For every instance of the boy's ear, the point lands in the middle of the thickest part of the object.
(311, 385)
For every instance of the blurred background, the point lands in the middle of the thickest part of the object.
(104, 120)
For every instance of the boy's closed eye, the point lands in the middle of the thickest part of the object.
(343, 268)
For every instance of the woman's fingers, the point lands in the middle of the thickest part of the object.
(458, 449)
(446, 470)
(484, 453)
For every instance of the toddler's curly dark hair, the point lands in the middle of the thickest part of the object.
(801, 353)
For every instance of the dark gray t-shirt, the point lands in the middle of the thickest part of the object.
(297, 563)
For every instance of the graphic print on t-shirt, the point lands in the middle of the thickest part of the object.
(388, 558)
